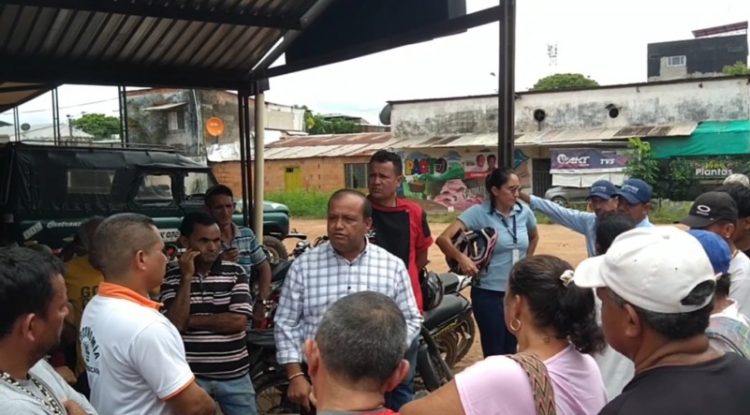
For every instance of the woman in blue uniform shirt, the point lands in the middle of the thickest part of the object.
(517, 237)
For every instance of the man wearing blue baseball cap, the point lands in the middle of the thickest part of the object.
(602, 200)
(634, 200)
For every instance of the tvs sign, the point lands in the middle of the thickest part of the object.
(587, 159)
(579, 162)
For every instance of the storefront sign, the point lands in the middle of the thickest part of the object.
(588, 159)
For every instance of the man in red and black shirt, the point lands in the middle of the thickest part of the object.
(400, 226)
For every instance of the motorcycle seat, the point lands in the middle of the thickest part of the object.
(450, 282)
(450, 308)
(261, 338)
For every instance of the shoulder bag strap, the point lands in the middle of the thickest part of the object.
(541, 386)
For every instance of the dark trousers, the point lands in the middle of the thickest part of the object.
(490, 316)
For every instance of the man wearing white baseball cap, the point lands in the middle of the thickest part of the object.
(656, 287)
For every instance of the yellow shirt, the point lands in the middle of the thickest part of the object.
(82, 282)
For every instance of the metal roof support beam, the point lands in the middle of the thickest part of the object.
(108, 74)
(455, 25)
(205, 14)
(506, 85)
(307, 19)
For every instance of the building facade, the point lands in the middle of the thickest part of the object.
(193, 120)
(567, 138)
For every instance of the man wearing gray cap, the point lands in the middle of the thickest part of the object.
(656, 286)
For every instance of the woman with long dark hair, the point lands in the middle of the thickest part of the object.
(517, 238)
(554, 321)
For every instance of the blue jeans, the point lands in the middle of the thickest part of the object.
(234, 396)
(490, 317)
(404, 392)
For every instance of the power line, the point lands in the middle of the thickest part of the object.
(69, 106)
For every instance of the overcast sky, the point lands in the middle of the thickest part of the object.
(605, 40)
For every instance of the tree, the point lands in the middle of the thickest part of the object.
(98, 125)
(642, 164)
(316, 124)
(739, 68)
(560, 81)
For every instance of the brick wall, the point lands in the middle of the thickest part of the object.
(322, 173)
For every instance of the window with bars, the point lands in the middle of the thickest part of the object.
(355, 175)
(674, 61)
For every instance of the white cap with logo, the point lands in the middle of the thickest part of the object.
(650, 268)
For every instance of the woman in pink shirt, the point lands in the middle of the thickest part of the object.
(553, 320)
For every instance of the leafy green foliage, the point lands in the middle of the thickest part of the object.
(303, 204)
(642, 164)
(98, 125)
(739, 68)
(560, 81)
(681, 179)
(316, 124)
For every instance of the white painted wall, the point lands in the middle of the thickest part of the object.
(642, 104)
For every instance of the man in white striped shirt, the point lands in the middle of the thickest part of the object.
(346, 265)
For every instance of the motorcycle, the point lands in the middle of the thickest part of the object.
(447, 334)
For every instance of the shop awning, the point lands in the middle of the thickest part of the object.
(603, 136)
(711, 138)
(165, 107)
(617, 136)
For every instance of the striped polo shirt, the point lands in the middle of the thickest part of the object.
(225, 289)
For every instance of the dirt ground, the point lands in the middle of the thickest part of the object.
(553, 240)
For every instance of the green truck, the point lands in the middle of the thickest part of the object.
(47, 191)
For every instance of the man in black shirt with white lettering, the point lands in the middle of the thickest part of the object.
(656, 286)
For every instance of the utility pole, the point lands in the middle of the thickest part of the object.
(506, 85)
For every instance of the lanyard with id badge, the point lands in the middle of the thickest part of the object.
(516, 253)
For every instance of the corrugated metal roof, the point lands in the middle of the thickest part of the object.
(183, 40)
(551, 137)
(331, 139)
(600, 135)
(16, 93)
(336, 145)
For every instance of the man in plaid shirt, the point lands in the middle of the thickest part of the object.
(346, 265)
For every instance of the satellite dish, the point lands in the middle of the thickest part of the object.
(385, 115)
(25, 126)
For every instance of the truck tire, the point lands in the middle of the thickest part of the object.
(276, 249)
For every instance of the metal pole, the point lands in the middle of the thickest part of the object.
(122, 95)
(248, 190)
(241, 109)
(260, 125)
(16, 124)
(506, 84)
(56, 136)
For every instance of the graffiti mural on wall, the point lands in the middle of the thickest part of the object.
(451, 178)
